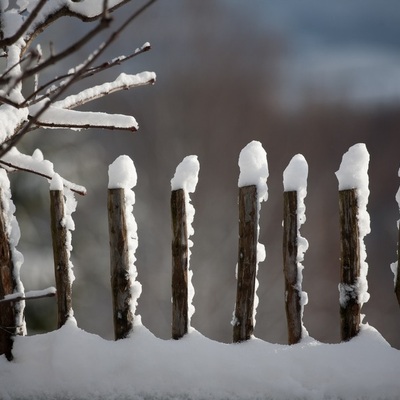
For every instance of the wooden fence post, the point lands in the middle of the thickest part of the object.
(397, 283)
(243, 323)
(59, 234)
(290, 268)
(119, 264)
(350, 264)
(8, 285)
(180, 250)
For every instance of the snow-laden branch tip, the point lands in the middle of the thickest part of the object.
(123, 82)
(54, 118)
(35, 164)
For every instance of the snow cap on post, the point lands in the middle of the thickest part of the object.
(186, 175)
(295, 174)
(122, 173)
(254, 168)
(353, 174)
(56, 183)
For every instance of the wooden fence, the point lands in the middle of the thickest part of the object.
(10, 305)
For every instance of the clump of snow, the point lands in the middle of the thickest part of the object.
(295, 179)
(395, 266)
(353, 174)
(56, 183)
(13, 233)
(122, 175)
(186, 177)
(253, 166)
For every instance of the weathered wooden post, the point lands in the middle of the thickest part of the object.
(294, 246)
(61, 255)
(396, 265)
(182, 214)
(11, 313)
(354, 225)
(180, 249)
(290, 268)
(253, 190)
(119, 262)
(397, 274)
(243, 326)
(349, 264)
(123, 243)
(8, 327)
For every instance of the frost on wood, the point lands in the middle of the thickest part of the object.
(253, 190)
(295, 187)
(185, 179)
(353, 174)
(122, 178)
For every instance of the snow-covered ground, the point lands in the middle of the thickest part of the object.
(73, 364)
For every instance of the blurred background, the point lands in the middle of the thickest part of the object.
(301, 77)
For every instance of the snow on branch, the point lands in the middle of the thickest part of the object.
(123, 82)
(55, 117)
(14, 160)
(31, 295)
